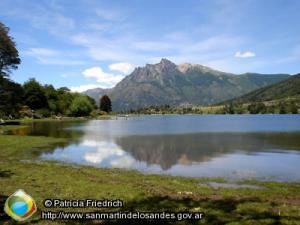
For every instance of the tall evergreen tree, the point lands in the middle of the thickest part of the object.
(105, 104)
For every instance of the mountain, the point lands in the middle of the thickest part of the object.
(180, 85)
(96, 93)
(286, 88)
(185, 84)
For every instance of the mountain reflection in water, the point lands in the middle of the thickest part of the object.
(214, 154)
(239, 146)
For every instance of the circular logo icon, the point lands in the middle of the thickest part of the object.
(20, 206)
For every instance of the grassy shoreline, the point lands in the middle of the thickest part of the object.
(275, 203)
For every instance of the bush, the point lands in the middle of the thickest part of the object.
(44, 112)
(96, 113)
(103, 113)
(81, 106)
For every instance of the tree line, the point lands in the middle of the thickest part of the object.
(278, 107)
(33, 99)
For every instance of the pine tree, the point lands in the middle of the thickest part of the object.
(105, 104)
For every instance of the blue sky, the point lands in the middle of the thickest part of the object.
(85, 44)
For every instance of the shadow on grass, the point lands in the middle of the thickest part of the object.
(216, 211)
(6, 173)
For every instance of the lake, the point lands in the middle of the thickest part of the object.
(265, 147)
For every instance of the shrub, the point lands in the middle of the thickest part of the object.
(81, 106)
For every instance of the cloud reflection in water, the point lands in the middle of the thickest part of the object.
(100, 154)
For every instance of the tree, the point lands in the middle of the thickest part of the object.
(9, 55)
(11, 97)
(271, 109)
(65, 98)
(81, 106)
(52, 97)
(92, 101)
(294, 108)
(261, 108)
(105, 104)
(257, 107)
(63, 90)
(228, 109)
(282, 108)
(34, 95)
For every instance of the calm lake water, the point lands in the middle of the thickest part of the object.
(231, 146)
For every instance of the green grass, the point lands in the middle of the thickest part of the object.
(276, 203)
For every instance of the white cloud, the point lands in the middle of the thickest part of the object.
(122, 67)
(246, 54)
(83, 88)
(106, 80)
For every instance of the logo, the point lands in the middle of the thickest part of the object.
(20, 206)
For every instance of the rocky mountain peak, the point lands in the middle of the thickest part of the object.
(166, 62)
(165, 66)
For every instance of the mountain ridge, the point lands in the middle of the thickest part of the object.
(96, 93)
(286, 88)
(167, 83)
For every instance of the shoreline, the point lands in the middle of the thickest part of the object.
(19, 169)
(112, 116)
